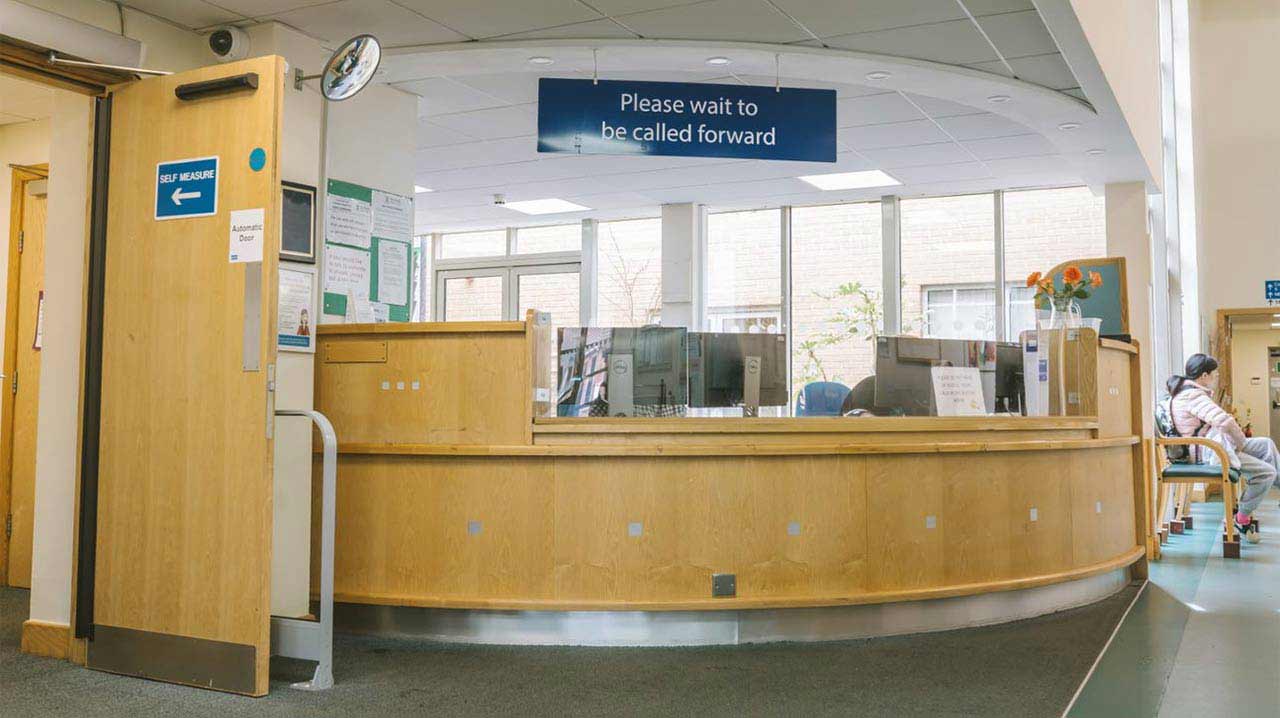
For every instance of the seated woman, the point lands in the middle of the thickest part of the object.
(1195, 413)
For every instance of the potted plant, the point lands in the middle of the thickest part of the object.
(1056, 303)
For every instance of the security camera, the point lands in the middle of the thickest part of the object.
(229, 43)
(499, 199)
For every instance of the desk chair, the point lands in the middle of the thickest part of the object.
(821, 398)
(1176, 479)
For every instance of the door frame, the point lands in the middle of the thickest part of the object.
(1220, 342)
(21, 177)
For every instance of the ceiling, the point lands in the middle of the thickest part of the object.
(22, 101)
(930, 126)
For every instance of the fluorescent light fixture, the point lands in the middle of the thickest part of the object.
(718, 61)
(850, 180)
(541, 60)
(879, 75)
(545, 206)
(419, 189)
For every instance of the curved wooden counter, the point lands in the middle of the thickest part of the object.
(637, 514)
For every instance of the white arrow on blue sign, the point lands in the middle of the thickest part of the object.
(187, 188)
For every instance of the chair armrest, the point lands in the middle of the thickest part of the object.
(1214, 446)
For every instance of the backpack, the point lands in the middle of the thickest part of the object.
(1177, 453)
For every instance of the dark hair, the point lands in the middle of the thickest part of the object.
(1197, 366)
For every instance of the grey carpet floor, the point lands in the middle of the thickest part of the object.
(1027, 669)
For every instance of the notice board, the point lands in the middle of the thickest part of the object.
(368, 264)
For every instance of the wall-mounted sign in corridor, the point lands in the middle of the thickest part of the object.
(187, 188)
(686, 119)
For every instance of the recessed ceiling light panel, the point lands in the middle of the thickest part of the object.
(879, 75)
(999, 99)
(1096, 151)
(550, 205)
(851, 180)
(419, 189)
(1068, 126)
(719, 61)
(541, 60)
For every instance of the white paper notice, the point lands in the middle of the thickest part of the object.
(392, 217)
(957, 391)
(294, 315)
(248, 227)
(346, 271)
(393, 272)
(347, 221)
(364, 312)
(381, 312)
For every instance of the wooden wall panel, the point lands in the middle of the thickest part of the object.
(472, 388)
(1115, 394)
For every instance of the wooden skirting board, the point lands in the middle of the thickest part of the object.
(41, 638)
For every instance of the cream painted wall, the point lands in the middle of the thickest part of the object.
(26, 143)
(70, 154)
(1125, 37)
(1234, 51)
(1128, 236)
(1249, 361)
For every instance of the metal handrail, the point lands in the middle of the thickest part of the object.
(302, 638)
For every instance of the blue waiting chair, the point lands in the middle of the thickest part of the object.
(821, 398)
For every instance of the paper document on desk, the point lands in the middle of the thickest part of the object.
(957, 390)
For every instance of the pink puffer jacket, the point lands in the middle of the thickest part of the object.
(1195, 413)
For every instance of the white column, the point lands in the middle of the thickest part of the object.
(588, 276)
(1129, 236)
(891, 264)
(682, 249)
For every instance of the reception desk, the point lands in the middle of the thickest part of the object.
(456, 491)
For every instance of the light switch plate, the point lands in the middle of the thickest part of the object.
(724, 585)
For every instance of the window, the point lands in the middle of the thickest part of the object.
(629, 282)
(555, 238)
(836, 295)
(744, 272)
(474, 298)
(554, 290)
(949, 241)
(490, 243)
(1043, 228)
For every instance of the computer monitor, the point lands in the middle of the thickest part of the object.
(1011, 389)
(622, 371)
(748, 370)
(904, 380)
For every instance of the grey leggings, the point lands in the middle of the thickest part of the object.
(1260, 467)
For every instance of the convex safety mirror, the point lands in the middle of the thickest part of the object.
(348, 70)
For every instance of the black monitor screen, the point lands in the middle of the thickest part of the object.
(717, 368)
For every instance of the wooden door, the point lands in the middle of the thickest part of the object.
(183, 538)
(24, 382)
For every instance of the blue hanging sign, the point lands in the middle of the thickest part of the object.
(686, 119)
(1272, 290)
(187, 188)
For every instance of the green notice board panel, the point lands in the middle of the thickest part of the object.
(368, 260)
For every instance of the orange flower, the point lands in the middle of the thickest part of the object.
(1095, 279)
(1072, 274)
(1033, 279)
(1046, 285)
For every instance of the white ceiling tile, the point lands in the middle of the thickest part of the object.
(391, 23)
(626, 7)
(957, 42)
(513, 88)
(591, 29)
(842, 89)
(1018, 34)
(511, 121)
(1047, 70)
(981, 126)
(893, 134)
(259, 8)
(478, 154)
(826, 18)
(443, 96)
(433, 135)
(746, 20)
(875, 110)
(1024, 165)
(487, 19)
(936, 108)
(992, 7)
(188, 13)
(942, 173)
(1003, 147)
(938, 154)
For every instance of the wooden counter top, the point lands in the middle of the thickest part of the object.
(802, 425)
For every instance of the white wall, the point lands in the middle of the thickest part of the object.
(1234, 51)
(57, 458)
(1128, 236)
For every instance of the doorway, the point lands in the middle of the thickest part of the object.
(24, 329)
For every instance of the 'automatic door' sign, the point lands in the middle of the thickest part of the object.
(187, 188)
(686, 119)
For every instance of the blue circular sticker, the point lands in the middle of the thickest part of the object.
(257, 159)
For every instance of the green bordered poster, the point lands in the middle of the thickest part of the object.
(367, 259)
